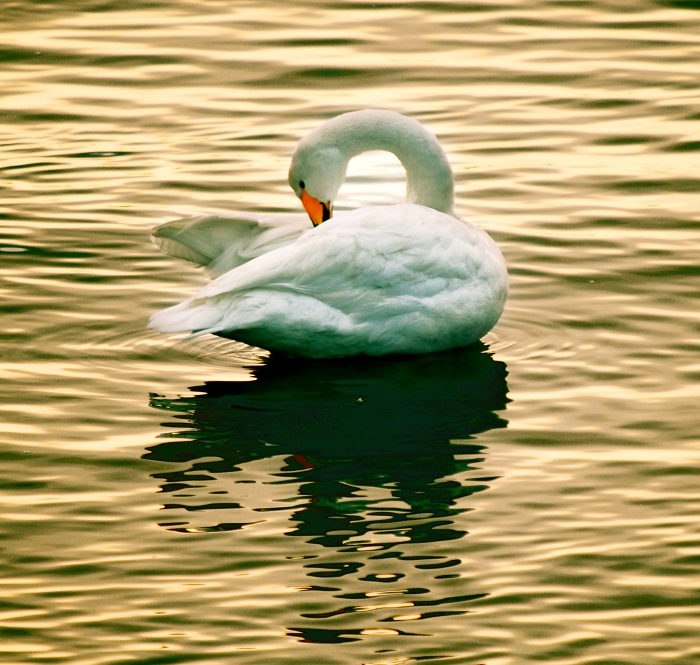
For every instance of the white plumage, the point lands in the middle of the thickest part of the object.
(380, 280)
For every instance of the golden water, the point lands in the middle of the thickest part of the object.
(169, 501)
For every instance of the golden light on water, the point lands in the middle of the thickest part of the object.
(187, 497)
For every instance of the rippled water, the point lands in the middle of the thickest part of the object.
(169, 501)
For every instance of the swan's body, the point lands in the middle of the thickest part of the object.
(408, 278)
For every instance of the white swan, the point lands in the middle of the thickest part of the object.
(408, 278)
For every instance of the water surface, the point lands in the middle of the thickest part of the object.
(530, 500)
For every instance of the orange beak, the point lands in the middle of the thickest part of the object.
(317, 210)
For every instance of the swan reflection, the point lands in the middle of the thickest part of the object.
(360, 452)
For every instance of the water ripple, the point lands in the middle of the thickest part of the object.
(379, 513)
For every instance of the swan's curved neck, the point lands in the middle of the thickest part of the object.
(429, 179)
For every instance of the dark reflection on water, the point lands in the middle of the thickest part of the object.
(372, 405)
(371, 459)
(401, 423)
(394, 423)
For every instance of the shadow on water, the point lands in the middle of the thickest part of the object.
(402, 424)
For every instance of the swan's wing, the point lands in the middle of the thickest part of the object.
(201, 239)
(292, 267)
(221, 243)
(354, 252)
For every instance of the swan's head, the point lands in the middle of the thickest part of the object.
(316, 174)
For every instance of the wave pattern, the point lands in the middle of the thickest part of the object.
(531, 500)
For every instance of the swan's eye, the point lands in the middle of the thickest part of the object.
(302, 184)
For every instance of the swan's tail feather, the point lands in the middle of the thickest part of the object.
(196, 319)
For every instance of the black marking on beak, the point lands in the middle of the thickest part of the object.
(327, 211)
